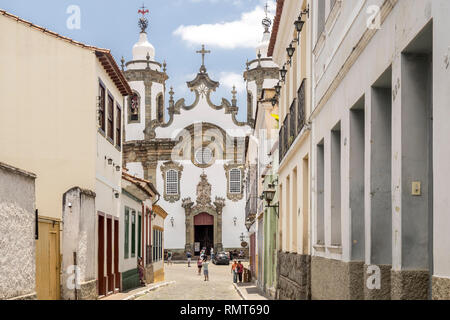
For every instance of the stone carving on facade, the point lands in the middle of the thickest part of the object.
(203, 204)
(170, 165)
(234, 196)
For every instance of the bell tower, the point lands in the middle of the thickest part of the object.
(147, 79)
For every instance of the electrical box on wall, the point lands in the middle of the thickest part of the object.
(416, 188)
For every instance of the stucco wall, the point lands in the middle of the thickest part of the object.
(78, 236)
(51, 85)
(17, 229)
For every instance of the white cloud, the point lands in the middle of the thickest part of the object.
(243, 33)
(230, 79)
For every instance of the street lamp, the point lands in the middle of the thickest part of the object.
(278, 88)
(283, 73)
(290, 51)
(269, 195)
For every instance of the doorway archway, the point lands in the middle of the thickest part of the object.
(203, 232)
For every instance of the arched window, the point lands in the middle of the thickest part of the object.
(172, 182)
(160, 108)
(134, 107)
(235, 181)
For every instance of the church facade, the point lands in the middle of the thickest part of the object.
(195, 157)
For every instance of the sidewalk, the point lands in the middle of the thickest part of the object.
(135, 293)
(249, 291)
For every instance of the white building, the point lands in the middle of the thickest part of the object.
(195, 156)
(380, 149)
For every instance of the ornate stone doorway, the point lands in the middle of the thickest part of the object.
(204, 212)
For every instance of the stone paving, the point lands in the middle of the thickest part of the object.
(190, 286)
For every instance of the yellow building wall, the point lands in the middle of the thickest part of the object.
(48, 111)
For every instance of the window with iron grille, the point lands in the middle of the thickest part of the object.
(292, 120)
(281, 144)
(172, 182)
(301, 107)
(110, 118)
(286, 134)
(235, 180)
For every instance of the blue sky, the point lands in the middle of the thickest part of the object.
(229, 28)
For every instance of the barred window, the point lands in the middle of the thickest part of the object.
(172, 182)
(203, 156)
(235, 180)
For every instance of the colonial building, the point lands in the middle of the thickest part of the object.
(137, 198)
(380, 149)
(195, 155)
(69, 133)
(290, 47)
(261, 74)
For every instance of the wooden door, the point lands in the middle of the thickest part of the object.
(116, 254)
(101, 256)
(109, 255)
(48, 264)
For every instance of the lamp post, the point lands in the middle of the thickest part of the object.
(269, 195)
(283, 73)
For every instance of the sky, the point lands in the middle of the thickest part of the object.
(231, 29)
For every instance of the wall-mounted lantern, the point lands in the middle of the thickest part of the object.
(172, 221)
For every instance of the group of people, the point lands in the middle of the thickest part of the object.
(237, 269)
(203, 262)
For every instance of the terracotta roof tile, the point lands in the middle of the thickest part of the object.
(276, 25)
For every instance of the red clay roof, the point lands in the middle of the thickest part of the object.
(276, 25)
(143, 184)
(104, 55)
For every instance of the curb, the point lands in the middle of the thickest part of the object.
(239, 291)
(145, 291)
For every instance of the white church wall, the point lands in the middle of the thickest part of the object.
(203, 113)
(190, 177)
(135, 169)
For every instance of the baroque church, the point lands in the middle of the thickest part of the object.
(195, 156)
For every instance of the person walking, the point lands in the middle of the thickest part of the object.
(234, 271)
(240, 270)
(169, 258)
(199, 265)
(189, 256)
(212, 253)
(205, 268)
(141, 271)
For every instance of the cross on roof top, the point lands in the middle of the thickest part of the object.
(266, 8)
(203, 52)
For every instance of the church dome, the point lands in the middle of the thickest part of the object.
(142, 48)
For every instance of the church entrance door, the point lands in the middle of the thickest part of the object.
(204, 232)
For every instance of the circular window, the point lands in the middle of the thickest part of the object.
(203, 156)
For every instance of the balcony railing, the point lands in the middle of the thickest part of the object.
(293, 123)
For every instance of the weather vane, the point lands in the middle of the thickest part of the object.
(143, 22)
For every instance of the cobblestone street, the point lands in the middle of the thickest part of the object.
(190, 286)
